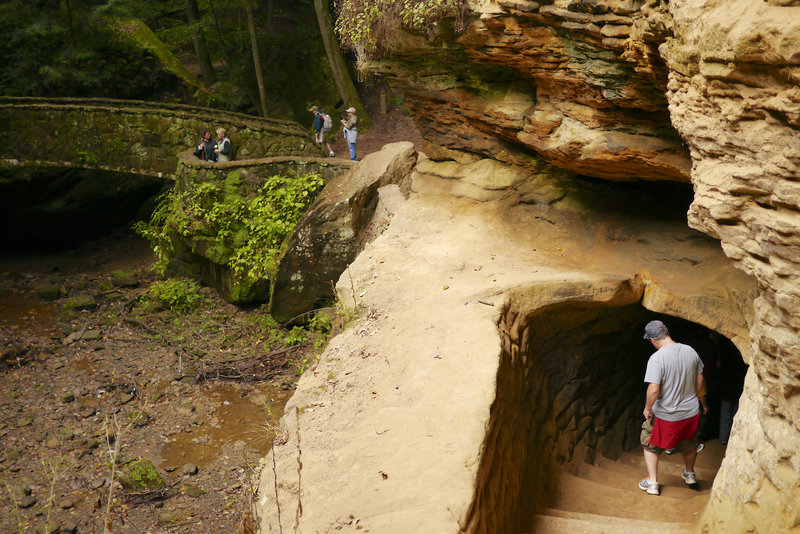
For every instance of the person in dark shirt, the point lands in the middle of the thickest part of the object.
(207, 147)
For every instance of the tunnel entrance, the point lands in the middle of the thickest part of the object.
(570, 395)
(57, 209)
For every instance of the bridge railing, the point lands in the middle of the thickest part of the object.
(133, 136)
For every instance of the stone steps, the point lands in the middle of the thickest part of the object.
(634, 466)
(560, 522)
(604, 498)
(672, 484)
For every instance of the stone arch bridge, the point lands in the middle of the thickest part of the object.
(157, 140)
(146, 138)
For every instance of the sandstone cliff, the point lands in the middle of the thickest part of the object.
(699, 91)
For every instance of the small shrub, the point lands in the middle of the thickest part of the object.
(296, 335)
(176, 294)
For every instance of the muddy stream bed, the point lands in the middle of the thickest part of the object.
(118, 377)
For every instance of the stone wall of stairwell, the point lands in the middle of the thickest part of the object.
(131, 136)
(569, 386)
(734, 94)
(577, 84)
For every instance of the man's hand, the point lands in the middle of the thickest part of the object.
(648, 413)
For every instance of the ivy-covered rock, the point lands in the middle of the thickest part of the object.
(226, 226)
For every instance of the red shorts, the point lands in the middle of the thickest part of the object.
(667, 434)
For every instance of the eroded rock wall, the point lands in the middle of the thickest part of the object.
(734, 97)
(576, 84)
(641, 89)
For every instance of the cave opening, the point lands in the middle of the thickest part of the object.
(570, 394)
(52, 210)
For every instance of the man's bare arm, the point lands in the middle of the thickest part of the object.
(699, 387)
(653, 391)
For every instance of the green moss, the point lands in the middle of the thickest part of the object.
(138, 417)
(141, 34)
(141, 474)
(241, 230)
(80, 302)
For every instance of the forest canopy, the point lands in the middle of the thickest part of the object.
(92, 48)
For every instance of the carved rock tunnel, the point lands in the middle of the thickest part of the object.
(570, 390)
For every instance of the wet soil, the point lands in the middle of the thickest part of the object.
(74, 386)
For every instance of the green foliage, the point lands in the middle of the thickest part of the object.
(288, 338)
(59, 49)
(176, 294)
(366, 25)
(268, 219)
(243, 233)
(155, 230)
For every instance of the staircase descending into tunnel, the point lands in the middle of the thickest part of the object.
(603, 497)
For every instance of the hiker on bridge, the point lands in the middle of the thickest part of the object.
(322, 125)
(350, 126)
(223, 150)
(672, 411)
(206, 150)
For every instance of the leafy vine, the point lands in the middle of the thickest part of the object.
(243, 233)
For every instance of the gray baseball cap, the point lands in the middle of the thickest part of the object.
(655, 329)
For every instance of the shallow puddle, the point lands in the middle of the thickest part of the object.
(27, 312)
(249, 419)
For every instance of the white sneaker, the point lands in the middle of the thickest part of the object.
(331, 154)
(650, 487)
(689, 477)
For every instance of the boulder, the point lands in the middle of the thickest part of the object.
(334, 230)
(81, 302)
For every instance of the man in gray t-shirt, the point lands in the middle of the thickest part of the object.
(672, 410)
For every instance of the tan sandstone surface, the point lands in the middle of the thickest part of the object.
(734, 96)
(416, 418)
(390, 432)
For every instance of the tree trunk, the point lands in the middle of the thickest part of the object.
(251, 26)
(200, 46)
(71, 26)
(341, 76)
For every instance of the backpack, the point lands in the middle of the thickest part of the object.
(327, 123)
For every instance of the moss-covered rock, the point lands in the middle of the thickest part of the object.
(124, 279)
(48, 293)
(140, 474)
(80, 302)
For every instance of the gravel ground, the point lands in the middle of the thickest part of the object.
(196, 393)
